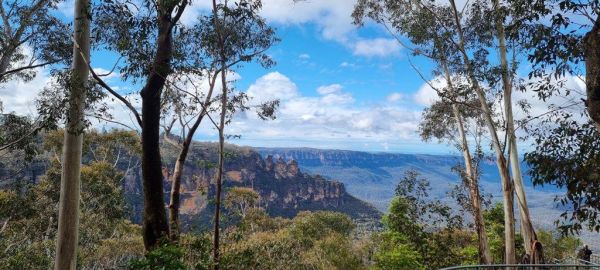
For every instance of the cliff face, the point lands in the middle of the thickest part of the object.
(284, 188)
(372, 177)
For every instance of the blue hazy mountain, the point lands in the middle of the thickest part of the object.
(372, 177)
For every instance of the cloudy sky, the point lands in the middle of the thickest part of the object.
(340, 87)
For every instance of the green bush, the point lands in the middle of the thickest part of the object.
(167, 257)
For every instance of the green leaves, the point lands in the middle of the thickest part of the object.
(567, 156)
(167, 257)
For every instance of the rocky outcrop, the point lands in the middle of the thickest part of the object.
(284, 188)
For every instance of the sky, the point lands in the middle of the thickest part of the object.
(340, 86)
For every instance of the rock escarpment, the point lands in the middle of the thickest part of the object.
(284, 188)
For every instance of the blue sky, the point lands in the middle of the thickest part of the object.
(340, 86)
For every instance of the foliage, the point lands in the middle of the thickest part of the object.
(395, 252)
(241, 199)
(31, 36)
(567, 156)
(334, 251)
(167, 257)
(555, 33)
(30, 215)
(552, 34)
(426, 225)
(312, 240)
(494, 224)
(557, 246)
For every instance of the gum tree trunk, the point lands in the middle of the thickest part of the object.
(68, 215)
(219, 178)
(507, 188)
(485, 256)
(527, 230)
(155, 225)
(176, 185)
(178, 170)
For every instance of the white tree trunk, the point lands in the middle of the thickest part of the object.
(485, 256)
(68, 217)
(507, 189)
(527, 229)
(484, 248)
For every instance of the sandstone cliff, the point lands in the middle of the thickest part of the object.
(284, 188)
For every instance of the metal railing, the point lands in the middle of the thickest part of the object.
(526, 267)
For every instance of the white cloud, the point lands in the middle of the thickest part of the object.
(19, 97)
(274, 85)
(539, 107)
(333, 17)
(333, 114)
(329, 89)
(106, 74)
(348, 65)
(426, 95)
(66, 8)
(394, 97)
(304, 56)
(378, 47)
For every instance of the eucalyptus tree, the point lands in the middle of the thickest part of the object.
(137, 32)
(246, 37)
(444, 119)
(30, 37)
(563, 39)
(562, 34)
(532, 245)
(70, 182)
(454, 123)
(233, 23)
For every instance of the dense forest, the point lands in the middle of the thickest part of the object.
(149, 195)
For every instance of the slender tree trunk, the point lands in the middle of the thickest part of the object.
(178, 171)
(68, 214)
(507, 188)
(219, 177)
(485, 256)
(175, 195)
(527, 230)
(155, 224)
(592, 72)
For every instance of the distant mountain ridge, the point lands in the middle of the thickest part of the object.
(372, 176)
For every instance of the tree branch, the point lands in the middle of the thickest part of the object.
(138, 118)
(11, 144)
(31, 66)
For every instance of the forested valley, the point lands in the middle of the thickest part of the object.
(143, 164)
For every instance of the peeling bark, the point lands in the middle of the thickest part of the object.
(507, 187)
(527, 230)
(485, 256)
